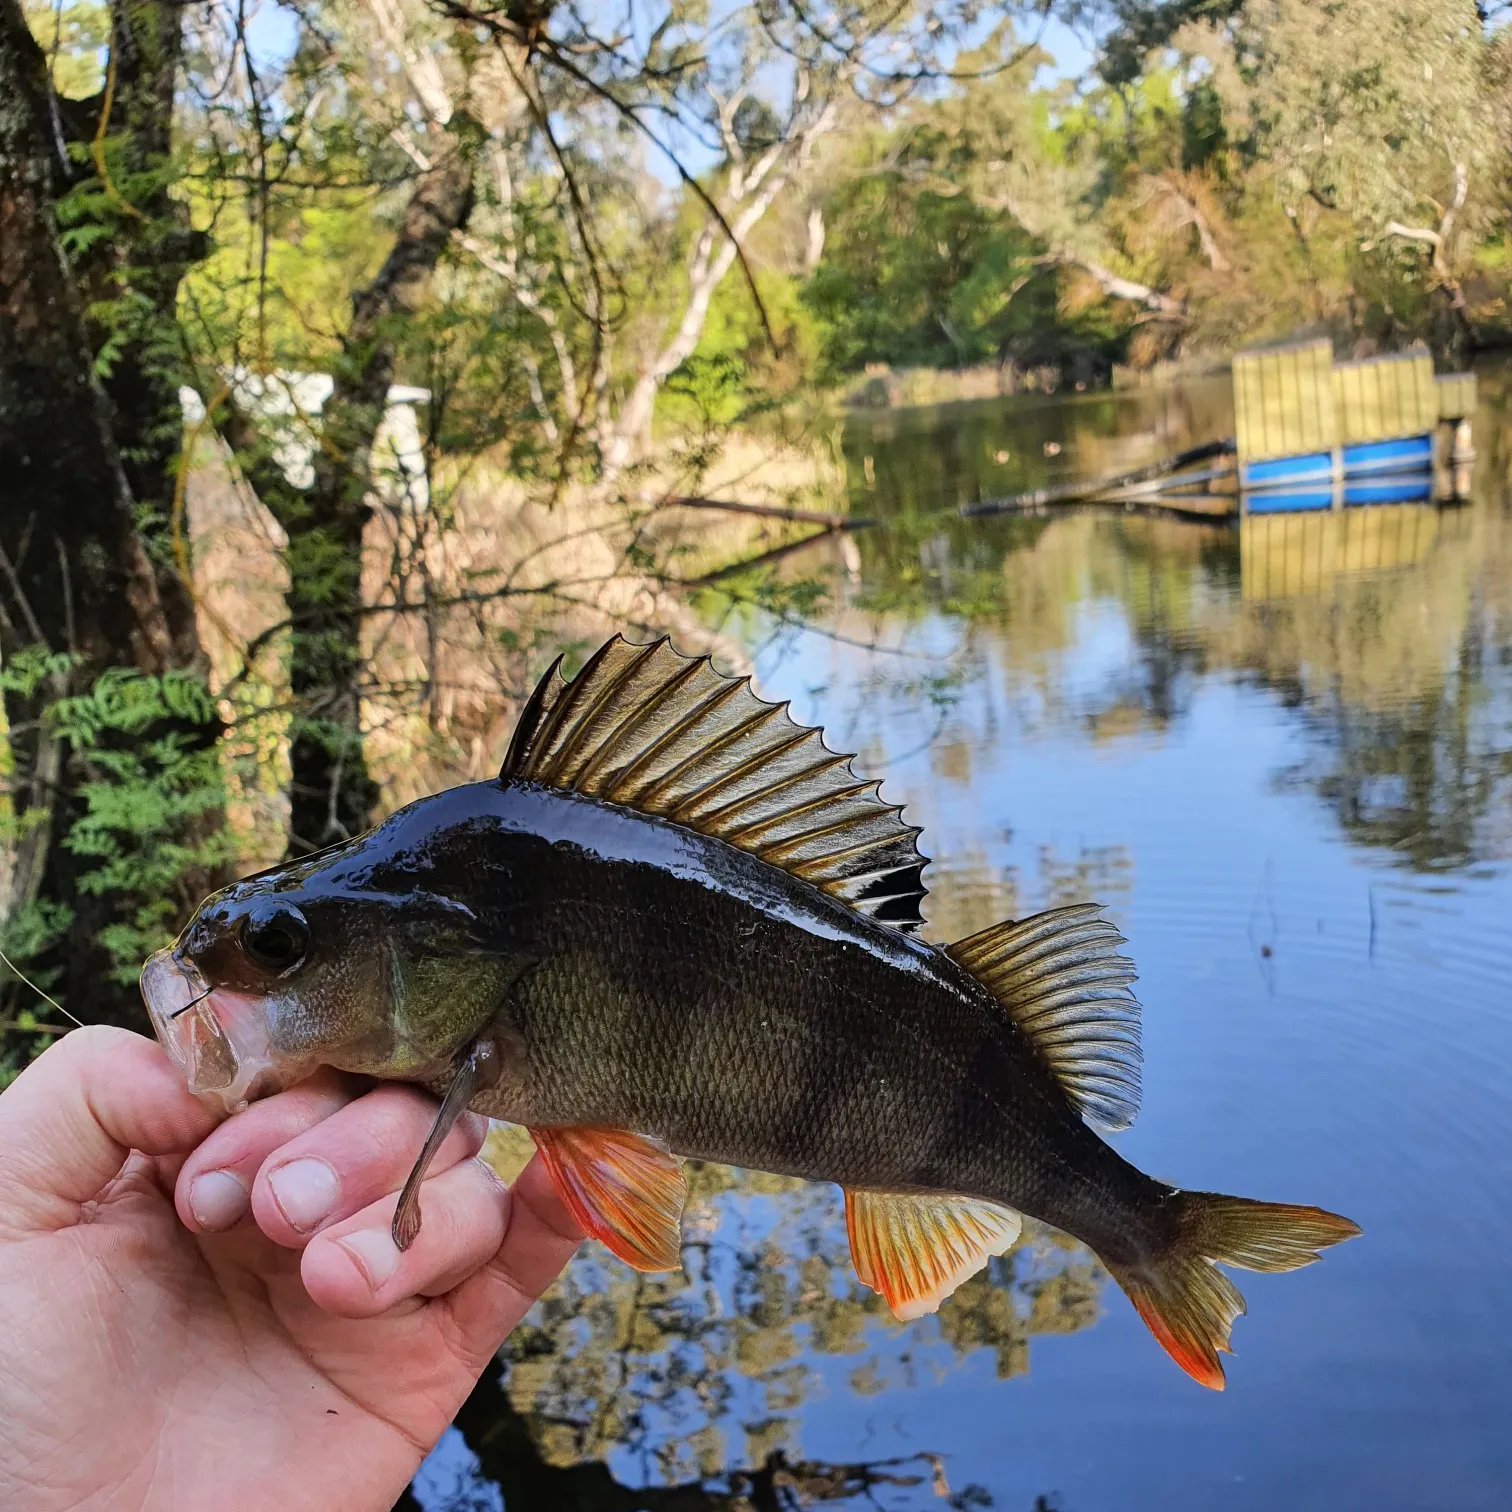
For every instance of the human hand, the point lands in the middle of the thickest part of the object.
(249, 1350)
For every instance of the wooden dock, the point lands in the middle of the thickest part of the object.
(1310, 434)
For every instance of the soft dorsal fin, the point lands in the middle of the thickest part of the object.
(1061, 979)
(667, 735)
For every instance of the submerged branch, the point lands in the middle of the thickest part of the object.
(830, 520)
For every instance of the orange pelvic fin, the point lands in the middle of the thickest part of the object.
(1188, 1303)
(626, 1190)
(915, 1249)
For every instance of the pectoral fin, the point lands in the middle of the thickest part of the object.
(625, 1190)
(917, 1248)
(477, 1070)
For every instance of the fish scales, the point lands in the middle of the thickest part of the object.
(678, 925)
(664, 1001)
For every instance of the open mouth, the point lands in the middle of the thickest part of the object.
(217, 1038)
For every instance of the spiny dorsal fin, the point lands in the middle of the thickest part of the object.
(1061, 979)
(667, 735)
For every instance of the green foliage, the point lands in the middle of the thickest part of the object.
(1364, 105)
(1250, 161)
(143, 795)
(27, 1032)
(914, 278)
(939, 230)
(74, 35)
(1204, 139)
(740, 368)
(149, 780)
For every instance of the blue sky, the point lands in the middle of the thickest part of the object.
(273, 31)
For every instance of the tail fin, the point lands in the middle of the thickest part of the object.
(1188, 1303)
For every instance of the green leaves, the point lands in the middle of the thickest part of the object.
(24, 671)
(150, 780)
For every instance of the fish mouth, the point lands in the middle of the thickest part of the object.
(217, 1037)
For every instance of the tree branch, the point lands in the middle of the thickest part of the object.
(764, 181)
(420, 67)
(1409, 233)
(1438, 239)
(1195, 218)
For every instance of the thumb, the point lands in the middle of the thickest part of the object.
(69, 1120)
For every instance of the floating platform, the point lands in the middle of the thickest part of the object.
(1315, 434)
(1312, 435)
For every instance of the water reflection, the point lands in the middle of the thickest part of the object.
(1282, 755)
(1383, 627)
(625, 1390)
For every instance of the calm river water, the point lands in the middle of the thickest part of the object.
(1282, 757)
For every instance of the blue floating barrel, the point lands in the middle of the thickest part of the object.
(1398, 471)
(1283, 485)
(1399, 488)
(1400, 455)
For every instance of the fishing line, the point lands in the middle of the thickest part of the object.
(192, 1003)
(45, 998)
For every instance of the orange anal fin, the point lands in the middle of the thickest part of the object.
(916, 1248)
(625, 1190)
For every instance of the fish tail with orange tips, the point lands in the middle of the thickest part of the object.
(1187, 1302)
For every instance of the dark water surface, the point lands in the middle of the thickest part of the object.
(1282, 757)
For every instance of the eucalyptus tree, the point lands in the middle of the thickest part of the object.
(525, 210)
(1372, 110)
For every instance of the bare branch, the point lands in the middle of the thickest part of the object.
(410, 150)
(1114, 285)
(724, 115)
(1438, 239)
(813, 249)
(537, 395)
(420, 67)
(1194, 217)
(1409, 233)
(763, 183)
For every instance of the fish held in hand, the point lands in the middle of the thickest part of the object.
(679, 925)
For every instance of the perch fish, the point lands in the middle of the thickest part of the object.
(679, 925)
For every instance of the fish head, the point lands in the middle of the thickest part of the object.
(302, 967)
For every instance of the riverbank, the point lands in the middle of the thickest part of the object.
(882, 388)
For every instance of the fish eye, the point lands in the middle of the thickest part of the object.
(275, 935)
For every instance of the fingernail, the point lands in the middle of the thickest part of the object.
(305, 1191)
(217, 1199)
(374, 1252)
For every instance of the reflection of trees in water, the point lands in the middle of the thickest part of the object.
(1388, 630)
(1399, 672)
(1402, 679)
(510, 1461)
(699, 1381)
